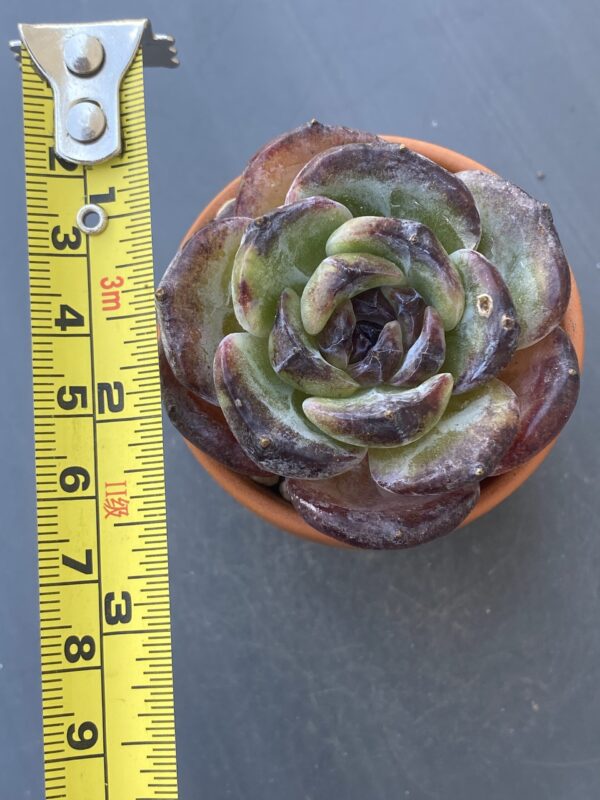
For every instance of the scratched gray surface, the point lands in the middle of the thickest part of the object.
(467, 669)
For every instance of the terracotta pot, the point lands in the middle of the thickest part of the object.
(267, 504)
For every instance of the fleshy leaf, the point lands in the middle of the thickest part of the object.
(485, 339)
(335, 340)
(227, 209)
(340, 278)
(545, 378)
(389, 180)
(382, 360)
(426, 356)
(203, 424)
(280, 250)
(373, 306)
(409, 309)
(270, 172)
(364, 337)
(353, 509)
(194, 305)
(464, 447)
(414, 248)
(295, 358)
(266, 419)
(382, 417)
(519, 238)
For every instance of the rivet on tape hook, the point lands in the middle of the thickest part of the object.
(85, 64)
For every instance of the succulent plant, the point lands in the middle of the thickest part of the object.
(374, 330)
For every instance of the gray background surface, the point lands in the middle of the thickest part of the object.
(466, 669)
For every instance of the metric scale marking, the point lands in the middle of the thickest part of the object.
(107, 689)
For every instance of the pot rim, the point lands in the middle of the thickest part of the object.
(264, 502)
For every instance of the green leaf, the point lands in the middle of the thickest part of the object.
(296, 359)
(414, 248)
(519, 238)
(463, 448)
(382, 417)
(485, 339)
(203, 424)
(389, 180)
(270, 172)
(280, 250)
(266, 418)
(194, 305)
(340, 278)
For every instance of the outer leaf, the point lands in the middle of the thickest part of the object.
(389, 180)
(382, 417)
(280, 250)
(464, 447)
(486, 337)
(351, 508)
(520, 239)
(265, 418)
(295, 358)
(203, 424)
(426, 356)
(227, 209)
(414, 248)
(194, 304)
(270, 172)
(340, 278)
(545, 379)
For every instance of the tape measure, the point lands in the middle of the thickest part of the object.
(107, 687)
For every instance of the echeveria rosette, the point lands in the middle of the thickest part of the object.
(377, 331)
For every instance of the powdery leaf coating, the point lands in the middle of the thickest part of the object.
(486, 337)
(265, 417)
(414, 248)
(519, 238)
(194, 305)
(335, 340)
(382, 417)
(203, 424)
(389, 180)
(426, 355)
(545, 379)
(280, 250)
(269, 173)
(353, 509)
(466, 445)
(296, 359)
(340, 278)
(382, 360)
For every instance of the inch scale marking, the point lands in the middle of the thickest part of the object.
(107, 687)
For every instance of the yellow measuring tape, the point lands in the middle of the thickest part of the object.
(104, 594)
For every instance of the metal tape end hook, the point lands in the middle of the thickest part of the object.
(159, 48)
(84, 64)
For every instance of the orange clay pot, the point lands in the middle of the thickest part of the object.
(272, 508)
